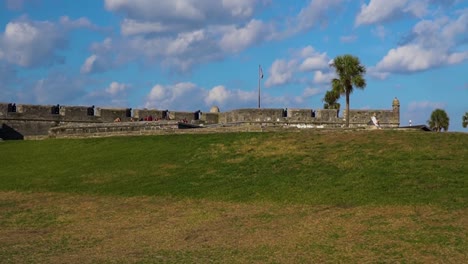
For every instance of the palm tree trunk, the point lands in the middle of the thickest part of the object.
(347, 108)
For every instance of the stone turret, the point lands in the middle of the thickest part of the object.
(396, 111)
(214, 109)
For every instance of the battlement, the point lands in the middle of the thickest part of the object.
(24, 120)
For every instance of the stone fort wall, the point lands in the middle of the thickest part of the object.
(20, 121)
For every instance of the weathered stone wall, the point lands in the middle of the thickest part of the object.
(111, 114)
(110, 129)
(257, 115)
(327, 115)
(145, 113)
(3, 110)
(36, 111)
(78, 113)
(189, 116)
(37, 120)
(300, 114)
(363, 117)
(210, 118)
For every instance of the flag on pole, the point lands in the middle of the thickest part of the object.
(260, 71)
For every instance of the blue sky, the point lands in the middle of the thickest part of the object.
(193, 54)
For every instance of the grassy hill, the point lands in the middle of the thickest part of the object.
(343, 196)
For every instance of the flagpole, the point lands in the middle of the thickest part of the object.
(259, 77)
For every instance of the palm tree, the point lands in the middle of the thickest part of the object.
(465, 120)
(350, 74)
(330, 99)
(439, 119)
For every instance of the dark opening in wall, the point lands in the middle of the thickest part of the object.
(128, 112)
(91, 111)
(12, 108)
(312, 114)
(55, 110)
(285, 112)
(165, 115)
(197, 115)
(9, 133)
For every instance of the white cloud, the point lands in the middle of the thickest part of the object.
(81, 22)
(190, 97)
(31, 44)
(239, 8)
(313, 60)
(88, 64)
(237, 39)
(379, 11)
(218, 95)
(382, 10)
(131, 27)
(321, 77)
(24, 43)
(305, 60)
(116, 88)
(309, 92)
(316, 13)
(281, 72)
(222, 97)
(190, 14)
(413, 58)
(116, 94)
(432, 43)
(181, 96)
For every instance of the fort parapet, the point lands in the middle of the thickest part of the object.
(23, 121)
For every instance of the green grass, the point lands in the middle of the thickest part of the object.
(344, 169)
(299, 197)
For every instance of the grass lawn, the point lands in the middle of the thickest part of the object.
(297, 197)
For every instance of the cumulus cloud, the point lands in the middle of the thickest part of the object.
(313, 60)
(24, 45)
(116, 88)
(432, 43)
(380, 11)
(324, 77)
(412, 58)
(131, 27)
(182, 96)
(227, 99)
(305, 60)
(237, 39)
(309, 92)
(183, 12)
(315, 14)
(281, 72)
(102, 59)
(23, 42)
(179, 34)
(189, 97)
(115, 94)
